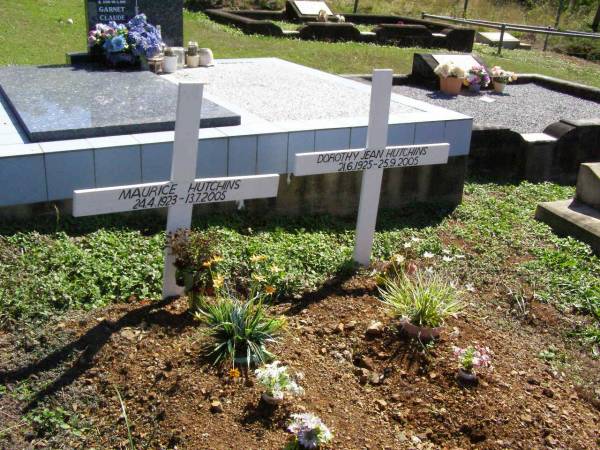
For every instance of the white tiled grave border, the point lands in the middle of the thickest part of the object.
(48, 171)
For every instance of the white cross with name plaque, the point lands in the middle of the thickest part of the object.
(182, 192)
(371, 161)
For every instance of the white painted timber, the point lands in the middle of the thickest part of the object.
(372, 160)
(365, 160)
(370, 189)
(183, 191)
(90, 202)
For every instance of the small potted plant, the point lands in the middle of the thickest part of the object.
(422, 302)
(501, 78)
(471, 359)
(192, 57)
(309, 432)
(451, 77)
(277, 382)
(477, 78)
(170, 61)
(206, 57)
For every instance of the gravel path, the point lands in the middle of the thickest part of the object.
(526, 108)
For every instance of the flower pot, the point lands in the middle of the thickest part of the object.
(451, 85)
(206, 57)
(269, 400)
(192, 60)
(466, 379)
(499, 87)
(423, 334)
(474, 88)
(170, 64)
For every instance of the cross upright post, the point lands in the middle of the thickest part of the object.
(370, 190)
(183, 169)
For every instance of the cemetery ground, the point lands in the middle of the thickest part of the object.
(21, 46)
(80, 331)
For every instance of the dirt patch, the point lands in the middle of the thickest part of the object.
(375, 391)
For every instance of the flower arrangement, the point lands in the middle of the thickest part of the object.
(309, 430)
(500, 75)
(277, 381)
(472, 358)
(477, 76)
(131, 41)
(449, 69)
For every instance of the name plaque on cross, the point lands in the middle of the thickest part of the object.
(89, 202)
(365, 159)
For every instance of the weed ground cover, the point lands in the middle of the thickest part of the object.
(85, 264)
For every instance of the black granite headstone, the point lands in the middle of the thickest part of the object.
(166, 13)
(55, 103)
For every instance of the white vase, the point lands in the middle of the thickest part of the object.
(206, 57)
(192, 60)
(170, 64)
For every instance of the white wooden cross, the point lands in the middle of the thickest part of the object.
(371, 161)
(182, 191)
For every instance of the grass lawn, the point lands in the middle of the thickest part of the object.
(53, 37)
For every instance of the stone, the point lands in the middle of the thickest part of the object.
(216, 407)
(548, 392)
(492, 38)
(374, 329)
(375, 378)
(61, 103)
(350, 325)
(381, 404)
(167, 14)
(366, 362)
(580, 217)
(588, 185)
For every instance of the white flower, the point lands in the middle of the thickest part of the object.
(407, 245)
(310, 430)
(428, 255)
(277, 381)
(429, 270)
(416, 239)
(447, 259)
(459, 256)
(446, 251)
(469, 287)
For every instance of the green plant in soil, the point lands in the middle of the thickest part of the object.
(424, 299)
(240, 330)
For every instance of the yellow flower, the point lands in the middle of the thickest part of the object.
(258, 278)
(234, 373)
(269, 290)
(216, 259)
(257, 258)
(275, 269)
(218, 281)
(207, 263)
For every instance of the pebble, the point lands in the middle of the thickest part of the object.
(374, 329)
(216, 407)
(548, 392)
(381, 404)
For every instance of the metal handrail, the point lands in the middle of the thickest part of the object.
(497, 25)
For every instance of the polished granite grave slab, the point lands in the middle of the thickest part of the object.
(71, 102)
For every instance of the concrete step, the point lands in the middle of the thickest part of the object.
(588, 185)
(538, 138)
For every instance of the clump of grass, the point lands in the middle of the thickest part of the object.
(240, 330)
(424, 299)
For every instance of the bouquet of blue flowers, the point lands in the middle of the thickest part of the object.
(126, 42)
